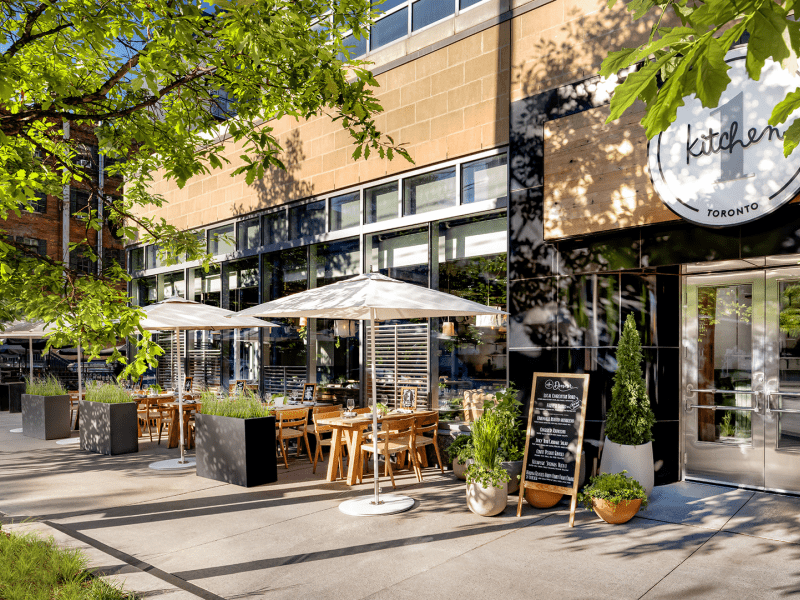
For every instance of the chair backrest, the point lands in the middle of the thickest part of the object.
(427, 423)
(399, 427)
(325, 409)
(292, 418)
(327, 414)
(362, 411)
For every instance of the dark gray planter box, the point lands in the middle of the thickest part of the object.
(13, 392)
(3, 396)
(45, 417)
(109, 428)
(237, 451)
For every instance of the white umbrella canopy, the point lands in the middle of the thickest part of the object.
(372, 297)
(180, 314)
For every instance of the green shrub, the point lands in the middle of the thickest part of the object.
(35, 569)
(461, 449)
(509, 413)
(243, 406)
(45, 386)
(630, 419)
(613, 488)
(107, 393)
(487, 434)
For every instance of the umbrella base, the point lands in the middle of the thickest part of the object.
(390, 504)
(69, 441)
(174, 464)
(18, 430)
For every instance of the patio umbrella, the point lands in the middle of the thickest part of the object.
(34, 330)
(371, 297)
(179, 314)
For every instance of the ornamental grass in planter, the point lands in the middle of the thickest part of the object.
(508, 410)
(628, 445)
(614, 497)
(487, 480)
(235, 440)
(45, 409)
(109, 422)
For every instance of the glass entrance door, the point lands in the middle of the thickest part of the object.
(723, 378)
(741, 379)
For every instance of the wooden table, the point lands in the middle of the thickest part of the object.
(351, 431)
(173, 434)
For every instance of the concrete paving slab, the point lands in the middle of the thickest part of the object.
(769, 516)
(737, 566)
(697, 504)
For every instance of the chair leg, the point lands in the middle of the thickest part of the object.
(308, 448)
(283, 451)
(317, 452)
(389, 469)
(438, 456)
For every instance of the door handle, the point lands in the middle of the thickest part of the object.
(754, 393)
(791, 411)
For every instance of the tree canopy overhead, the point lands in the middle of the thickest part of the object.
(152, 79)
(689, 59)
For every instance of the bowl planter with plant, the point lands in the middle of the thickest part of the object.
(109, 422)
(628, 444)
(45, 409)
(512, 441)
(235, 440)
(459, 452)
(614, 497)
(487, 480)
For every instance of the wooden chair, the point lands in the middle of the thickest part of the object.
(362, 411)
(292, 424)
(427, 424)
(397, 435)
(323, 412)
(144, 417)
(73, 406)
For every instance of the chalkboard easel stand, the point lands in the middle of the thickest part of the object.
(580, 418)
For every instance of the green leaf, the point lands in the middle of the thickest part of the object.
(711, 77)
(766, 29)
(635, 85)
(791, 137)
(785, 107)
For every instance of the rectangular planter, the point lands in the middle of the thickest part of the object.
(109, 428)
(45, 417)
(237, 451)
(11, 396)
(3, 396)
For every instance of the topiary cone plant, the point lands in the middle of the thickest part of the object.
(629, 422)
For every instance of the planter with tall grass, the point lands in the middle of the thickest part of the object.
(45, 409)
(235, 440)
(487, 480)
(108, 420)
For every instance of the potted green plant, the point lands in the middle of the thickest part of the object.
(235, 440)
(45, 409)
(459, 452)
(109, 422)
(509, 413)
(628, 444)
(614, 497)
(487, 480)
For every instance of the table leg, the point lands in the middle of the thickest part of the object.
(173, 433)
(335, 453)
(354, 464)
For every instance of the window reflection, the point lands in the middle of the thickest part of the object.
(430, 191)
(207, 286)
(307, 220)
(400, 254)
(221, 240)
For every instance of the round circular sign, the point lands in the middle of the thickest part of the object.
(724, 166)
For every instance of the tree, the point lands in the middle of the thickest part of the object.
(630, 419)
(689, 59)
(151, 79)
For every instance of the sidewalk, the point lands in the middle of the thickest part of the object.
(200, 538)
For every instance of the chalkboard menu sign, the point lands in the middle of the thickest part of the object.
(555, 435)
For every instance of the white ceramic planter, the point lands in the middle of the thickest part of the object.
(459, 470)
(636, 460)
(487, 502)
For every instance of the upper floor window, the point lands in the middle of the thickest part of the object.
(221, 240)
(35, 245)
(307, 219)
(79, 205)
(380, 202)
(80, 261)
(249, 237)
(345, 211)
(39, 202)
(86, 156)
(137, 259)
(429, 191)
(484, 179)
(223, 105)
(274, 228)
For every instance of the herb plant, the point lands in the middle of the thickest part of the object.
(45, 386)
(107, 393)
(461, 449)
(630, 419)
(487, 433)
(613, 488)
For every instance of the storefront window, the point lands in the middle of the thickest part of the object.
(307, 220)
(151, 257)
(146, 291)
(274, 228)
(401, 254)
(472, 350)
(345, 211)
(242, 284)
(430, 191)
(221, 240)
(249, 234)
(380, 202)
(173, 284)
(485, 179)
(334, 261)
(284, 273)
(207, 286)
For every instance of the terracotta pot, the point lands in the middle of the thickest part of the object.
(636, 460)
(542, 499)
(487, 502)
(616, 513)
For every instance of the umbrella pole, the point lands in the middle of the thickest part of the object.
(80, 381)
(374, 409)
(182, 461)
(30, 355)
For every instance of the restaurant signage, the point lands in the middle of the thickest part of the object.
(724, 166)
(554, 438)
